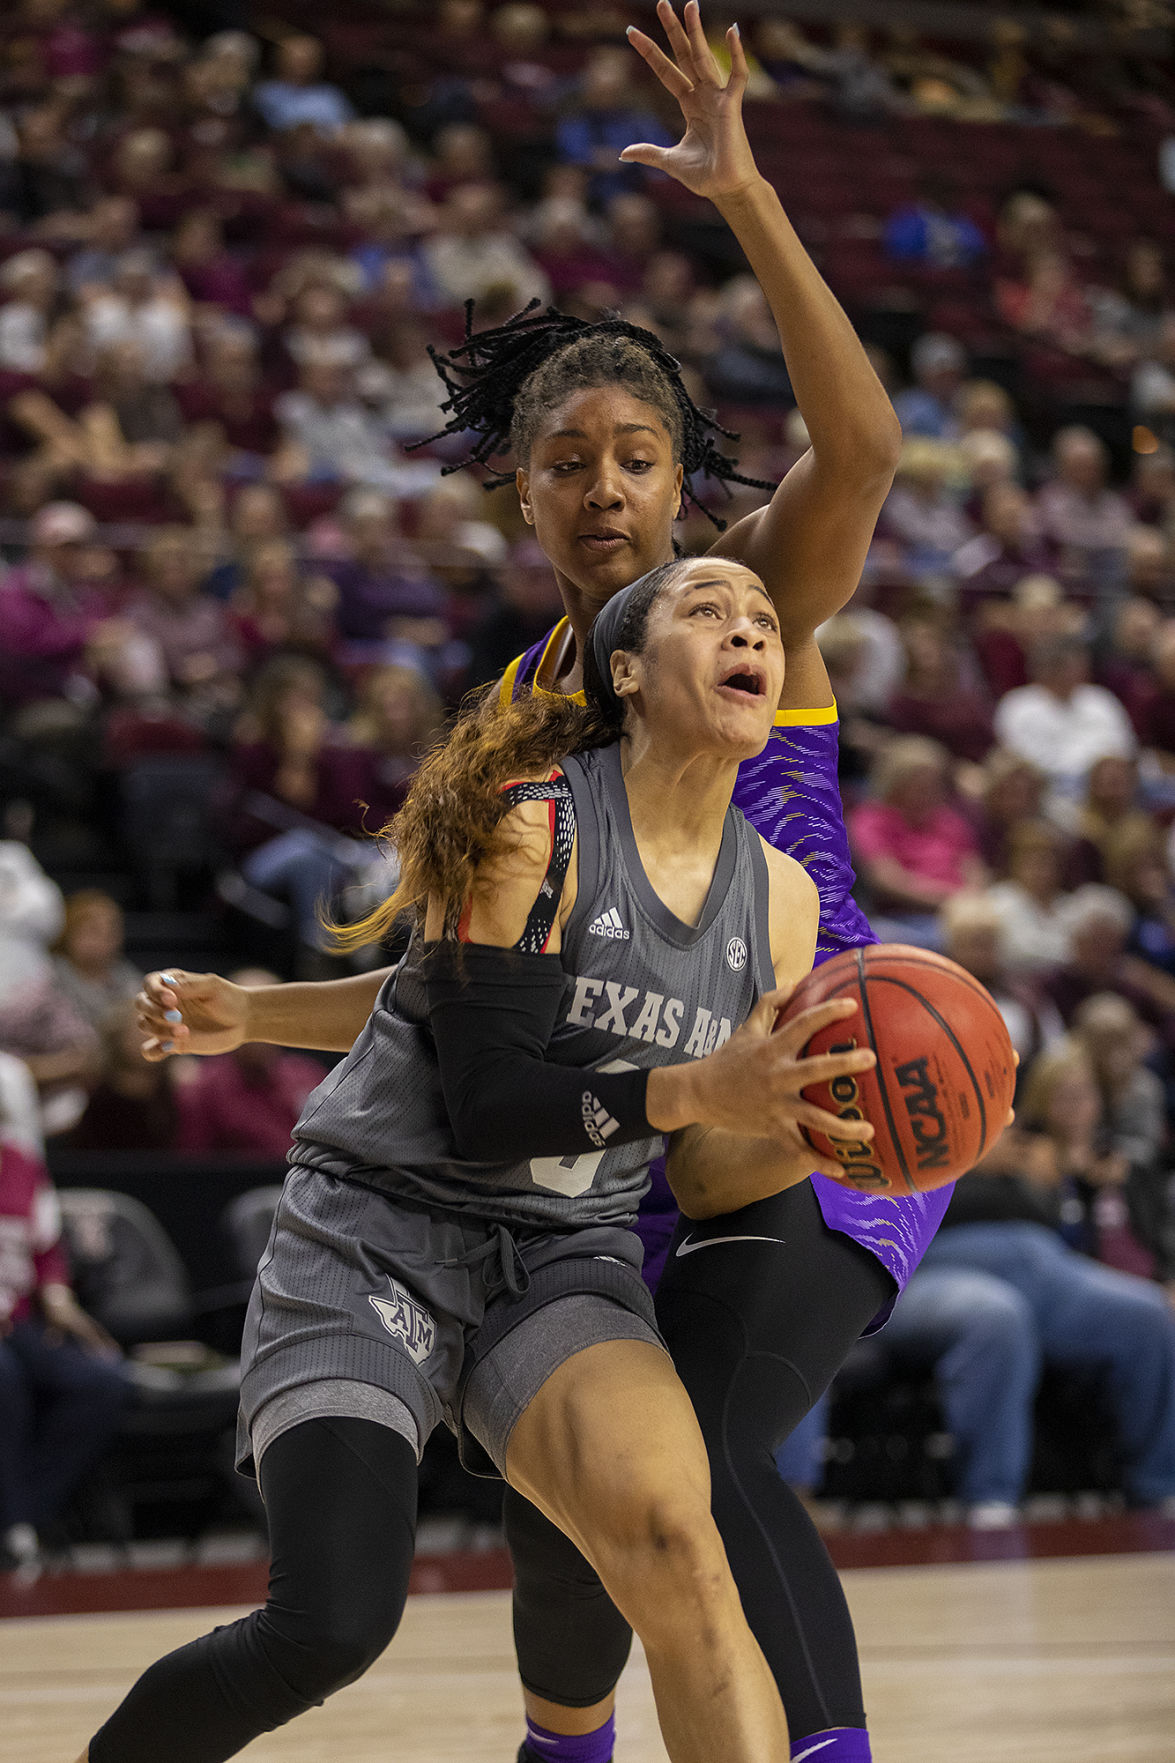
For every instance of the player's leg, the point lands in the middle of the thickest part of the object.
(759, 1309)
(571, 1641)
(340, 1500)
(610, 1450)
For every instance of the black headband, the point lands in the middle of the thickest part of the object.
(604, 633)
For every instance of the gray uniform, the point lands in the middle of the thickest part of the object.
(404, 1282)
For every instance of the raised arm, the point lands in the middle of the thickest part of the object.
(808, 544)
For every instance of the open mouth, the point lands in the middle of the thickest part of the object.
(748, 682)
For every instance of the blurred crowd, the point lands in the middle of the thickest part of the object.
(228, 544)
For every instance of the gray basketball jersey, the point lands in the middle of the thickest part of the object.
(641, 989)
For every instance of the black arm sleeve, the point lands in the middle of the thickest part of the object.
(493, 1012)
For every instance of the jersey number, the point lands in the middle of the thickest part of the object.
(572, 1176)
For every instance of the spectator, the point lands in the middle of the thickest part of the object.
(55, 622)
(747, 366)
(297, 790)
(298, 94)
(934, 231)
(1152, 387)
(212, 277)
(922, 512)
(1031, 902)
(258, 513)
(247, 1101)
(132, 1106)
(914, 850)
(1128, 320)
(936, 699)
(1099, 922)
(111, 229)
(1132, 1209)
(1137, 864)
(147, 310)
(1111, 808)
(971, 933)
(198, 651)
(1156, 709)
(1149, 573)
(1049, 304)
(30, 280)
(63, 1390)
(231, 393)
(938, 364)
(328, 437)
(133, 427)
(397, 718)
(602, 115)
(39, 1024)
(91, 967)
(1062, 722)
(1088, 522)
(474, 252)
(384, 595)
(1011, 790)
(1008, 546)
(278, 606)
(999, 1296)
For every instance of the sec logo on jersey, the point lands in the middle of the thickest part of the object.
(736, 954)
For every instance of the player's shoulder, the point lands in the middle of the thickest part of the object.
(789, 880)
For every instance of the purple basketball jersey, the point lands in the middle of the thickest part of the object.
(790, 794)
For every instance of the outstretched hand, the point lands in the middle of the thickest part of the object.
(713, 157)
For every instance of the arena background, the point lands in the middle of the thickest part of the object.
(237, 597)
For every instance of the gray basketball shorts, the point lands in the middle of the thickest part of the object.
(367, 1305)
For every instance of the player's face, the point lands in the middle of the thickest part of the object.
(711, 673)
(601, 489)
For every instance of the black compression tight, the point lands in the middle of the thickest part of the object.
(340, 1497)
(757, 1331)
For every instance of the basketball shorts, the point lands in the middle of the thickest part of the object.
(371, 1306)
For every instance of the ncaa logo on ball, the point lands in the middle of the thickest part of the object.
(736, 954)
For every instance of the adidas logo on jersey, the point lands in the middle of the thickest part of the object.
(608, 925)
(597, 1122)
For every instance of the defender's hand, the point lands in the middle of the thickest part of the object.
(713, 157)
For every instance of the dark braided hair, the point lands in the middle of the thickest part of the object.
(501, 381)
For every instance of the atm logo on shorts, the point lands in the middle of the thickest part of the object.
(409, 1321)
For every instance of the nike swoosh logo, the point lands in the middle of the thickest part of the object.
(688, 1248)
(812, 1750)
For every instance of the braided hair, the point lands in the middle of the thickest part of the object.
(501, 381)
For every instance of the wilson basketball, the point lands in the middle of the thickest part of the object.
(942, 1086)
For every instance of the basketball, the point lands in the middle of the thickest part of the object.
(942, 1086)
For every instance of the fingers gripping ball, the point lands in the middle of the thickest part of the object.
(940, 1092)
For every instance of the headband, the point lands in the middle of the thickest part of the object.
(602, 638)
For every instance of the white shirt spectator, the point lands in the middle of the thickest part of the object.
(1034, 938)
(22, 337)
(158, 326)
(1063, 736)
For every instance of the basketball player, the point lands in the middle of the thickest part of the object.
(761, 1307)
(450, 1242)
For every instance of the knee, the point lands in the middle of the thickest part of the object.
(1002, 1326)
(322, 1650)
(664, 1549)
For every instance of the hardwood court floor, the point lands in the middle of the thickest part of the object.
(1069, 1661)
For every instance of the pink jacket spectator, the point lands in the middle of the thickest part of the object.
(31, 1252)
